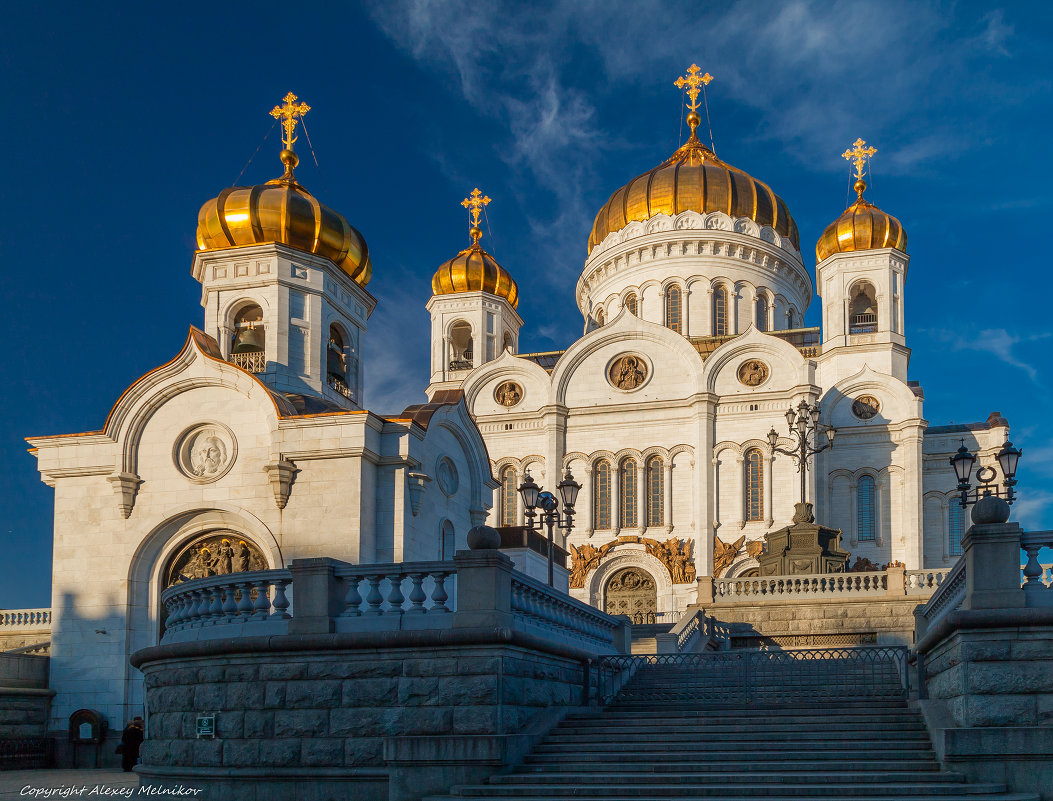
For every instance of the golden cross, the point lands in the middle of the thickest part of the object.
(693, 81)
(474, 203)
(860, 154)
(288, 115)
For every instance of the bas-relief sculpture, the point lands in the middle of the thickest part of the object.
(627, 372)
(724, 554)
(674, 554)
(216, 554)
(753, 372)
(508, 393)
(866, 407)
(205, 452)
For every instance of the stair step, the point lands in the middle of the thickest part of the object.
(722, 766)
(717, 728)
(879, 794)
(756, 755)
(616, 778)
(739, 789)
(803, 742)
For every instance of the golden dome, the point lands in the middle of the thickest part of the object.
(283, 211)
(863, 226)
(693, 179)
(473, 269)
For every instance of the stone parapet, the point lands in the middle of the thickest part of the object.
(370, 712)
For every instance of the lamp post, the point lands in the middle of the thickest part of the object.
(536, 498)
(963, 462)
(805, 427)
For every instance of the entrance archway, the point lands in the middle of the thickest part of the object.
(633, 592)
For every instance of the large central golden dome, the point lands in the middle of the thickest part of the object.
(283, 211)
(693, 179)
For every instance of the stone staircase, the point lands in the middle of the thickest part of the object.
(656, 740)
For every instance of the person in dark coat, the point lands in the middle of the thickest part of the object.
(131, 738)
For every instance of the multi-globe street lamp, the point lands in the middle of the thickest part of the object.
(963, 462)
(805, 427)
(534, 497)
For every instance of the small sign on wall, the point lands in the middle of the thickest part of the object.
(206, 726)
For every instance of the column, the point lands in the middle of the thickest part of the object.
(668, 492)
(853, 520)
(616, 499)
(585, 511)
(769, 490)
(685, 311)
(733, 310)
(641, 494)
(740, 490)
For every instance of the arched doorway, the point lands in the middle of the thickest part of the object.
(633, 592)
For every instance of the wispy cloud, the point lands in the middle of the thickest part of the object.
(998, 342)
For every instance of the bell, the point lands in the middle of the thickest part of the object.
(248, 340)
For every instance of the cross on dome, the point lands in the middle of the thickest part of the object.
(474, 203)
(860, 154)
(693, 81)
(288, 114)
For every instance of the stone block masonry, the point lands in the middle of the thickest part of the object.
(339, 718)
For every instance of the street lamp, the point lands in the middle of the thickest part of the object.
(805, 427)
(536, 498)
(963, 462)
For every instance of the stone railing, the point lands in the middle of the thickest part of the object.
(315, 596)
(894, 581)
(252, 600)
(947, 598)
(537, 606)
(1036, 577)
(13, 620)
(252, 361)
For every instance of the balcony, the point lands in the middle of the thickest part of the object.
(338, 384)
(863, 323)
(251, 361)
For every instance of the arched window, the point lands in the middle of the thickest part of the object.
(508, 497)
(673, 310)
(599, 317)
(601, 496)
(762, 313)
(336, 363)
(866, 510)
(461, 346)
(630, 495)
(864, 309)
(754, 467)
(630, 303)
(955, 528)
(509, 342)
(720, 312)
(655, 498)
(790, 321)
(448, 544)
(249, 343)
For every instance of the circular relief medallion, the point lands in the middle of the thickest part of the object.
(627, 372)
(753, 372)
(865, 407)
(508, 394)
(446, 475)
(206, 452)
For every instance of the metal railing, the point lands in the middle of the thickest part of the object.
(863, 324)
(252, 361)
(338, 384)
(764, 677)
(22, 753)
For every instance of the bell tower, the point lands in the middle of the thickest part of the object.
(860, 274)
(283, 282)
(473, 308)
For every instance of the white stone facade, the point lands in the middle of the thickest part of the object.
(274, 459)
(704, 407)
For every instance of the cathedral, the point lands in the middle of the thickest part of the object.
(251, 448)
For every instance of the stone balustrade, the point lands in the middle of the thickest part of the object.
(393, 590)
(536, 605)
(255, 601)
(947, 597)
(892, 581)
(1036, 577)
(20, 619)
(924, 582)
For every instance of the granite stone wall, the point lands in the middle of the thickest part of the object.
(323, 719)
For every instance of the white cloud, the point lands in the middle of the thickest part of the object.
(996, 341)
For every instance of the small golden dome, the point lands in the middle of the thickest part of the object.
(693, 179)
(475, 270)
(863, 226)
(283, 211)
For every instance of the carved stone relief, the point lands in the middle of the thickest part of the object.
(674, 554)
(446, 475)
(508, 394)
(724, 554)
(627, 372)
(865, 407)
(218, 553)
(753, 372)
(206, 452)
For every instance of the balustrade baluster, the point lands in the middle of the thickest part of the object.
(244, 601)
(438, 593)
(417, 596)
(395, 596)
(1033, 586)
(215, 606)
(281, 602)
(261, 607)
(230, 608)
(373, 597)
(354, 599)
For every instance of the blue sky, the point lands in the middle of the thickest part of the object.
(122, 119)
